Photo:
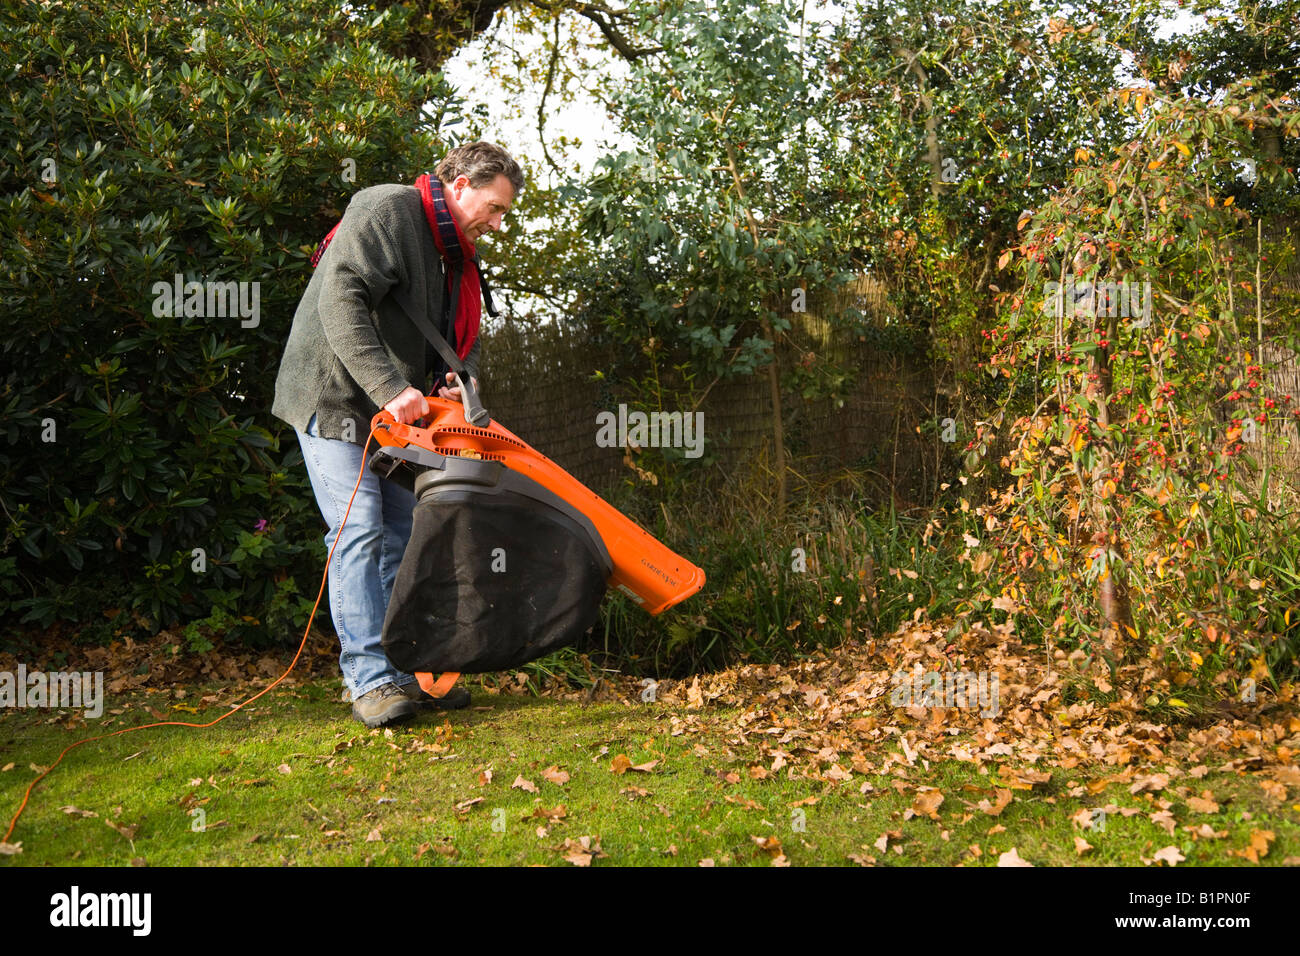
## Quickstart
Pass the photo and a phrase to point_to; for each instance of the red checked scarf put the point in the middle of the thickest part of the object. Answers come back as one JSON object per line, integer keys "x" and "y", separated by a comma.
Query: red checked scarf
{"x": 465, "y": 284}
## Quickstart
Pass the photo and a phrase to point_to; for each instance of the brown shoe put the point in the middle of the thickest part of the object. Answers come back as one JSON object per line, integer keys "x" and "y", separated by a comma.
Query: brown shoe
{"x": 383, "y": 705}
{"x": 454, "y": 699}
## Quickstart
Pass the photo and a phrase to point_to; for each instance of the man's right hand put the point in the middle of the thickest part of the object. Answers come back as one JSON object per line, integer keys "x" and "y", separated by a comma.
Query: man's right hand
{"x": 408, "y": 407}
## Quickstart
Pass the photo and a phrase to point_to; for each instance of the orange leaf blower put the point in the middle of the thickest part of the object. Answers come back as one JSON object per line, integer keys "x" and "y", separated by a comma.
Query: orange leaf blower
{"x": 509, "y": 554}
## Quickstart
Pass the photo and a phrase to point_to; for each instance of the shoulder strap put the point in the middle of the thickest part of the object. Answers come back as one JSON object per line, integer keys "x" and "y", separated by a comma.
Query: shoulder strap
{"x": 475, "y": 413}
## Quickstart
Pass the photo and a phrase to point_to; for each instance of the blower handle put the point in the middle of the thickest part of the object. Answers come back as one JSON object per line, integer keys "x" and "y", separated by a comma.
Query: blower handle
{"x": 475, "y": 413}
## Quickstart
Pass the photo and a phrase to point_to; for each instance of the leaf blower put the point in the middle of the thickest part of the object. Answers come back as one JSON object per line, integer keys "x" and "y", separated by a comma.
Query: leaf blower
{"x": 509, "y": 555}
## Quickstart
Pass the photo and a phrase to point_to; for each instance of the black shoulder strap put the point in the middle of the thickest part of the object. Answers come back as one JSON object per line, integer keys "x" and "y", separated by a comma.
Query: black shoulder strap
{"x": 475, "y": 413}
{"x": 486, "y": 289}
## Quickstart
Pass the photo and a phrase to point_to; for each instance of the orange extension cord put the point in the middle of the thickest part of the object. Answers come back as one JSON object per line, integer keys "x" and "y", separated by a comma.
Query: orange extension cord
{"x": 181, "y": 723}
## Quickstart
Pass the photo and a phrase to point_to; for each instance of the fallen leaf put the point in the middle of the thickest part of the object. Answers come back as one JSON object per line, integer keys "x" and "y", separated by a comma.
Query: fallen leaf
{"x": 11, "y": 849}
{"x": 1169, "y": 855}
{"x": 374, "y": 836}
{"x": 927, "y": 803}
{"x": 1165, "y": 819}
{"x": 555, "y": 775}
{"x": 620, "y": 764}
{"x": 995, "y": 809}
{"x": 284, "y": 768}
{"x": 694, "y": 696}
{"x": 1204, "y": 803}
{"x": 1152, "y": 782}
{"x": 522, "y": 784}
{"x": 555, "y": 813}
{"x": 883, "y": 843}
{"x": 1024, "y": 779}
{"x": 1012, "y": 858}
{"x": 466, "y": 804}
{"x": 85, "y": 813}
{"x": 1258, "y": 846}
{"x": 1081, "y": 846}
{"x": 582, "y": 851}
{"x": 126, "y": 831}
{"x": 645, "y": 767}
{"x": 1273, "y": 790}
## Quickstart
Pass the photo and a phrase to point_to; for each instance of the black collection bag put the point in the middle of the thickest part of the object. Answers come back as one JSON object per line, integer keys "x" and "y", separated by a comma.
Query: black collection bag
{"x": 498, "y": 570}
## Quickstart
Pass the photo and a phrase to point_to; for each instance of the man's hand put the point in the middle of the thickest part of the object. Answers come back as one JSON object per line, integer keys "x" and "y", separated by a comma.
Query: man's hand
{"x": 409, "y": 406}
{"x": 453, "y": 393}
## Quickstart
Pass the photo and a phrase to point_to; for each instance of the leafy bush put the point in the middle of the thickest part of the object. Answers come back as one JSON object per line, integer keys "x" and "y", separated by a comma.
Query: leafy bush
{"x": 144, "y": 480}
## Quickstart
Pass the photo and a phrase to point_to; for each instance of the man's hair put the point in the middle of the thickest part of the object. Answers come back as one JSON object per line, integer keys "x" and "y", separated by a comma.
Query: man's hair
{"x": 482, "y": 162}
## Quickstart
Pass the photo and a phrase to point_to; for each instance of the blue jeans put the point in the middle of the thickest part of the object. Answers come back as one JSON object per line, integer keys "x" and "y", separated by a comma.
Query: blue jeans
{"x": 366, "y": 560}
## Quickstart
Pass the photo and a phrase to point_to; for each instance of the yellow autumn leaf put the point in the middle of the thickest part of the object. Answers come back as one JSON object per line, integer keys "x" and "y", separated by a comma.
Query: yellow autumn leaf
{"x": 1155, "y": 164}
{"x": 1004, "y": 259}
{"x": 1229, "y": 201}
{"x": 1196, "y": 658}
{"x": 1182, "y": 148}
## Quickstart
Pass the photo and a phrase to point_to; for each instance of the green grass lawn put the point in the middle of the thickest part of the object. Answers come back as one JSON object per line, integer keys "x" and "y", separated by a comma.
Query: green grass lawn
{"x": 294, "y": 780}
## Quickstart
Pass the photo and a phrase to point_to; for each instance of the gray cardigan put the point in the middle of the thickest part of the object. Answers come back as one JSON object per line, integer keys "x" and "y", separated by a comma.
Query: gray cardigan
{"x": 353, "y": 346}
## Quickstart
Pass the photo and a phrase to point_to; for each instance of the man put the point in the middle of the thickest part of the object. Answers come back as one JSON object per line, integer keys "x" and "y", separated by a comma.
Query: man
{"x": 399, "y": 251}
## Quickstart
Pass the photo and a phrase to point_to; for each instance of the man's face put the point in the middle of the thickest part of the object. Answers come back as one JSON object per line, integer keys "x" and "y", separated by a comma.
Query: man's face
{"x": 478, "y": 211}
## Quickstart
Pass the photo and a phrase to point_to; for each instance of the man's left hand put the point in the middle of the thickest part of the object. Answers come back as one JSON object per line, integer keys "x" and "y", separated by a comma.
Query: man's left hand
{"x": 452, "y": 393}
